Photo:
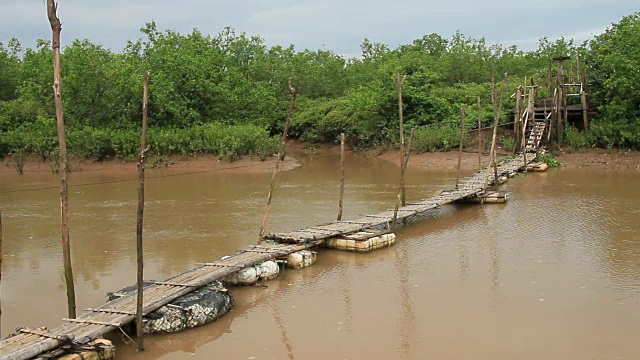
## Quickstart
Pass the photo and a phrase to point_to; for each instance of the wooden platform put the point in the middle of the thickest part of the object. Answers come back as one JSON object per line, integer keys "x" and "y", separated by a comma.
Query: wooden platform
{"x": 113, "y": 315}
{"x": 469, "y": 188}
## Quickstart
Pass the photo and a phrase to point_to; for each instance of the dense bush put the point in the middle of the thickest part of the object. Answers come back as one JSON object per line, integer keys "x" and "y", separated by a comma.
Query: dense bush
{"x": 225, "y": 141}
{"x": 226, "y": 93}
{"x": 437, "y": 138}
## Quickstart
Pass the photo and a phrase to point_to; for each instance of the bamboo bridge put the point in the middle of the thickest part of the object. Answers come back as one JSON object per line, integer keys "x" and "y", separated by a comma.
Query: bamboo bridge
{"x": 30, "y": 343}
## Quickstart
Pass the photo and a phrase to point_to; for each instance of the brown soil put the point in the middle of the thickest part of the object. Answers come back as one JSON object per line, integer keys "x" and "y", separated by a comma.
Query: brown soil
{"x": 601, "y": 159}
{"x": 589, "y": 158}
{"x": 246, "y": 164}
{"x": 438, "y": 160}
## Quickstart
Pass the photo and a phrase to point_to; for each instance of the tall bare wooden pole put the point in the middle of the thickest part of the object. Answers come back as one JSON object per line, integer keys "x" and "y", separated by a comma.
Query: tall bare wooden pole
{"x": 0, "y": 274}
{"x": 495, "y": 128}
{"x": 139, "y": 248}
{"x": 341, "y": 176}
{"x": 56, "y": 28}
{"x": 405, "y": 162}
{"x": 277, "y": 167}
{"x": 517, "y": 118}
{"x": 461, "y": 144}
{"x": 585, "y": 111}
{"x": 399, "y": 84}
{"x": 479, "y": 133}
{"x": 496, "y": 121}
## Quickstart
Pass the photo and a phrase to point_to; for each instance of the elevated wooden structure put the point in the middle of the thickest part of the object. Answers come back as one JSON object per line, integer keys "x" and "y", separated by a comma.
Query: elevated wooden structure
{"x": 30, "y": 343}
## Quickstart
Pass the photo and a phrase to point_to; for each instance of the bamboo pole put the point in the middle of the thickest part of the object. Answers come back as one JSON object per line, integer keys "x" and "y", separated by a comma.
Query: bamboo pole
{"x": 479, "y": 133}
{"x": 399, "y": 84}
{"x": 34, "y": 348}
{"x": 460, "y": 147}
{"x": 139, "y": 248}
{"x": 405, "y": 162}
{"x": 277, "y": 166}
{"x": 496, "y": 120}
{"x": 516, "y": 120}
{"x": 585, "y": 111}
{"x": 495, "y": 162}
{"x": 563, "y": 101}
{"x": 1, "y": 274}
{"x": 341, "y": 176}
{"x": 56, "y": 28}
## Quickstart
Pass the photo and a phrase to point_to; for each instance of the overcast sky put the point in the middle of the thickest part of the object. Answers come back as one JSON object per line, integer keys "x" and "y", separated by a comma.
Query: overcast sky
{"x": 334, "y": 25}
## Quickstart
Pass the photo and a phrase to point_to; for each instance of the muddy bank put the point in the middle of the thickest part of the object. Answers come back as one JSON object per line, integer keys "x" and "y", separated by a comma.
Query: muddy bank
{"x": 448, "y": 161}
{"x": 247, "y": 164}
{"x": 588, "y": 158}
{"x": 601, "y": 159}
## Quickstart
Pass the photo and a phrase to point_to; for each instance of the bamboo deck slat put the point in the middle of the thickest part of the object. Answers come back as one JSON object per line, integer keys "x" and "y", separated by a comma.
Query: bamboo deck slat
{"x": 96, "y": 322}
{"x": 473, "y": 186}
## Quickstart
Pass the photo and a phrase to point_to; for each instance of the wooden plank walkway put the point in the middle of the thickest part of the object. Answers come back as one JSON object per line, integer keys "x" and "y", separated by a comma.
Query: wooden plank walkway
{"x": 473, "y": 186}
{"x": 112, "y": 315}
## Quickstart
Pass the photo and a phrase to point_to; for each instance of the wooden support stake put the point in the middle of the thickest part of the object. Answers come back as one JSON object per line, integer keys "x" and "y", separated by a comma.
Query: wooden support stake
{"x": 460, "y": 147}
{"x": 496, "y": 120}
{"x": 585, "y": 111}
{"x": 517, "y": 120}
{"x": 277, "y": 166}
{"x": 405, "y": 162}
{"x": 479, "y": 133}
{"x": 495, "y": 129}
{"x": 1, "y": 274}
{"x": 341, "y": 176}
{"x": 56, "y": 29}
{"x": 399, "y": 84}
{"x": 139, "y": 225}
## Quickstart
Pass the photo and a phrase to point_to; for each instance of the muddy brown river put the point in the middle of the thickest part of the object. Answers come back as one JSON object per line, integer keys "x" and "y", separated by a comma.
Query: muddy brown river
{"x": 553, "y": 274}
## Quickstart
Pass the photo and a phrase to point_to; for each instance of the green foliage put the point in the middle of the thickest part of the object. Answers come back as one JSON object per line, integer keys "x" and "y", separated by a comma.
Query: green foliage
{"x": 614, "y": 69}
{"x": 226, "y": 93}
{"x": 507, "y": 142}
{"x": 576, "y": 139}
{"x": 549, "y": 159}
{"x": 437, "y": 138}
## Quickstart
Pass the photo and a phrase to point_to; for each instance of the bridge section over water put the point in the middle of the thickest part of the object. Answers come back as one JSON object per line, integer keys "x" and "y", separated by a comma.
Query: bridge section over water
{"x": 30, "y": 343}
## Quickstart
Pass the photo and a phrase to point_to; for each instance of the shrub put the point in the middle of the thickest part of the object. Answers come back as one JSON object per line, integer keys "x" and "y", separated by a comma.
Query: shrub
{"x": 576, "y": 139}
{"x": 437, "y": 138}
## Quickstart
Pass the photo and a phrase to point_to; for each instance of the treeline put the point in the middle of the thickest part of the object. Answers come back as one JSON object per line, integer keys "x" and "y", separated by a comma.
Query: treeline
{"x": 227, "y": 94}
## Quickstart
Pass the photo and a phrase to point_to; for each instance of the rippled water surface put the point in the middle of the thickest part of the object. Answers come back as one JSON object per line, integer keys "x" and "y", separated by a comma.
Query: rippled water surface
{"x": 553, "y": 274}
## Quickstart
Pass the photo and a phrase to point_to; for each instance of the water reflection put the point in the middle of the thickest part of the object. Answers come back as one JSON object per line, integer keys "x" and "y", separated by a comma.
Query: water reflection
{"x": 554, "y": 273}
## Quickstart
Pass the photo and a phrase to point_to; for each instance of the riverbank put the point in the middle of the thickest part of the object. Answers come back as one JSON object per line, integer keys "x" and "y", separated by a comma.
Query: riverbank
{"x": 448, "y": 161}
{"x": 247, "y": 164}
{"x": 587, "y": 158}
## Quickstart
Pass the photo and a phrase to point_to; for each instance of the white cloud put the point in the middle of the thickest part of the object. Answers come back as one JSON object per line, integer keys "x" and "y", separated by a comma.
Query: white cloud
{"x": 339, "y": 25}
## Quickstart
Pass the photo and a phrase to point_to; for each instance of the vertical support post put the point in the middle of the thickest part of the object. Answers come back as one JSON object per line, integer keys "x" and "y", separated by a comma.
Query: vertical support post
{"x": 479, "y": 133}
{"x": 56, "y": 29}
{"x": 498, "y": 113}
{"x": 549, "y": 78}
{"x": 399, "y": 84}
{"x": 1, "y": 274}
{"x": 461, "y": 144}
{"x": 496, "y": 121}
{"x": 562, "y": 98}
{"x": 140, "y": 217}
{"x": 492, "y": 153}
{"x": 405, "y": 162}
{"x": 277, "y": 166}
{"x": 341, "y": 176}
{"x": 516, "y": 120}
{"x": 585, "y": 111}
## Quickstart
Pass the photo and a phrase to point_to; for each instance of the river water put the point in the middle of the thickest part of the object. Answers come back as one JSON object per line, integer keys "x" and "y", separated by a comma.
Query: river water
{"x": 553, "y": 274}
